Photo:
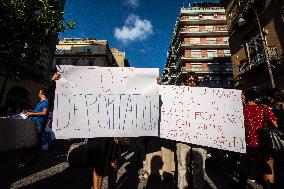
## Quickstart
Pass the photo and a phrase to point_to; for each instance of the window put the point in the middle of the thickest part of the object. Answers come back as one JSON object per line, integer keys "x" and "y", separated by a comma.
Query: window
{"x": 222, "y": 17}
{"x": 211, "y": 40}
{"x": 79, "y": 50}
{"x": 214, "y": 67}
{"x": 193, "y": 28}
{"x": 196, "y": 53}
{"x": 196, "y": 68}
{"x": 91, "y": 62}
{"x": 209, "y": 28}
{"x": 74, "y": 62}
{"x": 58, "y": 61}
{"x": 209, "y": 17}
{"x": 212, "y": 53}
{"x": 227, "y": 53}
{"x": 225, "y": 39}
{"x": 194, "y": 40}
{"x": 192, "y": 17}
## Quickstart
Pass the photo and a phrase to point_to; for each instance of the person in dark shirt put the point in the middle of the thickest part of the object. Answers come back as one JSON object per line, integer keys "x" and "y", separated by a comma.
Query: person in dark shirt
{"x": 276, "y": 98}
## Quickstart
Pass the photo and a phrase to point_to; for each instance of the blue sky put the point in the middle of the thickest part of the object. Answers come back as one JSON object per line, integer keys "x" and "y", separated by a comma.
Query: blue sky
{"x": 141, "y": 28}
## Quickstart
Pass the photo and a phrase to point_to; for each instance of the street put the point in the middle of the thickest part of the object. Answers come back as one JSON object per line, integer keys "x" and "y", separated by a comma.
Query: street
{"x": 53, "y": 171}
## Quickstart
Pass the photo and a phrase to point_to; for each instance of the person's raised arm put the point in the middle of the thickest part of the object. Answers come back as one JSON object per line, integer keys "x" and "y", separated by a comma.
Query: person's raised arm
{"x": 56, "y": 76}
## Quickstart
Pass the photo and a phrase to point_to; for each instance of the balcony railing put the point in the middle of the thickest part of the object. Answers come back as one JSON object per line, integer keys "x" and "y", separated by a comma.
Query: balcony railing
{"x": 212, "y": 56}
{"x": 203, "y": 58}
{"x": 208, "y": 42}
{"x": 211, "y": 20}
{"x": 204, "y": 30}
{"x": 202, "y": 8}
{"x": 185, "y": 70}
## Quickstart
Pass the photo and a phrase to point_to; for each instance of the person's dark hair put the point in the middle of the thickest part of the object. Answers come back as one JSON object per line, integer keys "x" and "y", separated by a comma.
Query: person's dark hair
{"x": 251, "y": 95}
{"x": 187, "y": 75}
{"x": 44, "y": 91}
{"x": 276, "y": 94}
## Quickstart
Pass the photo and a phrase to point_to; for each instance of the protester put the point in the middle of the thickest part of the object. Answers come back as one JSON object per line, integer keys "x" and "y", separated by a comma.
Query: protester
{"x": 191, "y": 157}
{"x": 276, "y": 98}
{"x": 101, "y": 153}
{"x": 256, "y": 162}
{"x": 40, "y": 113}
{"x": 39, "y": 116}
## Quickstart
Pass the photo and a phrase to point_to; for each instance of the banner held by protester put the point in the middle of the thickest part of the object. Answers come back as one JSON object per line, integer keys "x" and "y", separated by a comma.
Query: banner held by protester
{"x": 211, "y": 117}
{"x": 106, "y": 102}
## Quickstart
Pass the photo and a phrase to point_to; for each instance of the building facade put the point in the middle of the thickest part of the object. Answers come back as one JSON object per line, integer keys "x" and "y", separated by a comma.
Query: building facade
{"x": 256, "y": 41}
{"x": 87, "y": 52}
{"x": 119, "y": 57}
{"x": 200, "y": 45}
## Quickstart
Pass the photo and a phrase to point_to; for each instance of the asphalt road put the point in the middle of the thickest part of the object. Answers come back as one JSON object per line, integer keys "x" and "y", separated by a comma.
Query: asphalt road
{"x": 52, "y": 171}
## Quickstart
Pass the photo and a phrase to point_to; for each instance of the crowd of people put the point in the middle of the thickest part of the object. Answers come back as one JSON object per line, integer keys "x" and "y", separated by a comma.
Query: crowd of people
{"x": 257, "y": 164}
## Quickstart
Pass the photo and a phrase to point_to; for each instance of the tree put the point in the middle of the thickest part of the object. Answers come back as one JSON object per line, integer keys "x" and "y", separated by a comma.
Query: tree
{"x": 25, "y": 26}
{"x": 27, "y": 23}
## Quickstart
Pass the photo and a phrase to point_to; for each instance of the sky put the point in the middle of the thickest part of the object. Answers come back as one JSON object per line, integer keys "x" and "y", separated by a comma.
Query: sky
{"x": 141, "y": 28}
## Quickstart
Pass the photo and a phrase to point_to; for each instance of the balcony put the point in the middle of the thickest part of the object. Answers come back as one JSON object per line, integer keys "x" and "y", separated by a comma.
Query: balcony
{"x": 217, "y": 57}
{"x": 208, "y": 45}
{"x": 188, "y": 21}
{"x": 246, "y": 66}
{"x": 187, "y": 32}
{"x": 186, "y": 70}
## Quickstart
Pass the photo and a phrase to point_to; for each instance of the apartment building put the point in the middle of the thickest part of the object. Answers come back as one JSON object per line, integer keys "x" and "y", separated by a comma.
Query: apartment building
{"x": 86, "y": 52}
{"x": 256, "y": 40}
{"x": 200, "y": 45}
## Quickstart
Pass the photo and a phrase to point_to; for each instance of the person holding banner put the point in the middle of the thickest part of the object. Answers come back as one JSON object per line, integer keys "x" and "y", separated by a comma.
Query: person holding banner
{"x": 190, "y": 158}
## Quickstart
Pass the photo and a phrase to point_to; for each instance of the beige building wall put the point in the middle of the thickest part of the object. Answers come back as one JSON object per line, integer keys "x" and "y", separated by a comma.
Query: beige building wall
{"x": 119, "y": 57}
{"x": 84, "y": 52}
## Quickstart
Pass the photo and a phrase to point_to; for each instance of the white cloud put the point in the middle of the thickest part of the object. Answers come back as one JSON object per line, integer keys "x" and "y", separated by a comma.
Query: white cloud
{"x": 132, "y": 3}
{"x": 134, "y": 29}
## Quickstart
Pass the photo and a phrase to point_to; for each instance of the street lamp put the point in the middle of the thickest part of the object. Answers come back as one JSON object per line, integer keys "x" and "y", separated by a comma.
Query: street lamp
{"x": 241, "y": 22}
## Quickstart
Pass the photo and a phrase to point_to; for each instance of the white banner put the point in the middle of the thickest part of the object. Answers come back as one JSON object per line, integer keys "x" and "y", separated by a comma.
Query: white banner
{"x": 210, "y": 117}
{"x": 106, "y": 102}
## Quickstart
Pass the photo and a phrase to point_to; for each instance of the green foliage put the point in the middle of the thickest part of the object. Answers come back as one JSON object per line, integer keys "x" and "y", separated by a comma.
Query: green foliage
{"x": 31, "y": 19}
{"x": 25, "y": 25}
